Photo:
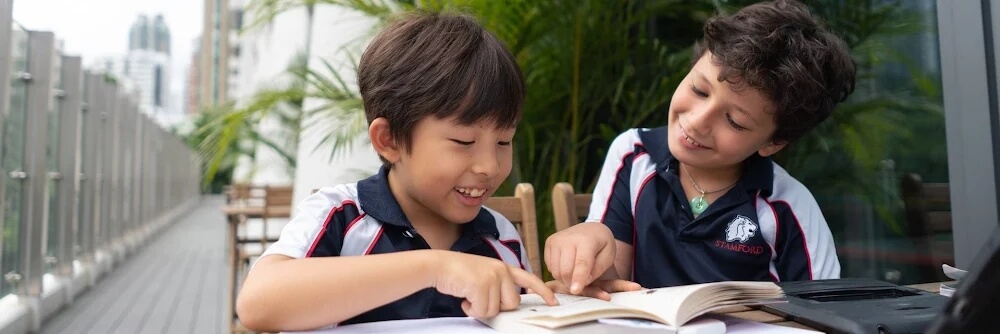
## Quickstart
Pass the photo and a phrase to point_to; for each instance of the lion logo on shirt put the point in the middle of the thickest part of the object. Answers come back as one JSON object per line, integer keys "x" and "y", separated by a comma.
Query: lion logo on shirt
{"x": 740, "y": 229}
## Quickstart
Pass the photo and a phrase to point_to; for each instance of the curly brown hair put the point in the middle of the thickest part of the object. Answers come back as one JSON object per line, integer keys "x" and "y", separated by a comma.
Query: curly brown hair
{"x": 781, "y": 50}
{"x": 439, "y": 65}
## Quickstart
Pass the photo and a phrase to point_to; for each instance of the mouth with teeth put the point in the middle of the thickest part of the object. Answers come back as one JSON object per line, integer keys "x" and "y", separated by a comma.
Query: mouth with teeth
{"x": 471, "y": 192}
{"x": 689, "y": 139}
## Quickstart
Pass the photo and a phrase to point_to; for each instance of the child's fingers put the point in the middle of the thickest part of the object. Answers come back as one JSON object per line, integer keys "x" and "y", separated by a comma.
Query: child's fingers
{"x": 555, "y": 285}
{"x": 480, "y": 302}
{"x": 551, "y": 259}
{"x": 567, "y": 257}
{"x": 594, "y": 291}
{"x": 493, "y": 304}
{"x": 619, "y": 285}
{"x": 583, "y": 265}
{"x": 533, "y": 283}
{"x": 604, "y": 259}
{"x": 467, "y": 308}
{"x": 510, "y": 296}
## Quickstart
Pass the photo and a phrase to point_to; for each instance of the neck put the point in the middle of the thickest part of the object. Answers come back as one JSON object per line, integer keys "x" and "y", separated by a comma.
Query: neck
{"x": 711, "y": 179}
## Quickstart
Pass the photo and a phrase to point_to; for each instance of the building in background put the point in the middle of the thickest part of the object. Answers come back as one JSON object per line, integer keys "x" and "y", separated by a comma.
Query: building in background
{"x": 219, "y": 52}
{"x": 147, "y": 64}
{"x": 192, "y": 84}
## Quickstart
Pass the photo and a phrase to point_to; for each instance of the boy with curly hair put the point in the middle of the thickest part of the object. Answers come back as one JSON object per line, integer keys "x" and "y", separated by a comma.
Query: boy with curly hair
{"x": 699, "y": 200}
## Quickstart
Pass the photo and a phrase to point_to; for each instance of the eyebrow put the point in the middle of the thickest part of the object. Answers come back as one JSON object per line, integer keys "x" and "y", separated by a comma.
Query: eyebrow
{"x": 733, "y": 105}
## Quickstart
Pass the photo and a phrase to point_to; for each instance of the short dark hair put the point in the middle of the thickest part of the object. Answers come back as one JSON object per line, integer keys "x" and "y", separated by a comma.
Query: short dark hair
{"x": 442, "y": 65}
{"x": 781, "y": 50}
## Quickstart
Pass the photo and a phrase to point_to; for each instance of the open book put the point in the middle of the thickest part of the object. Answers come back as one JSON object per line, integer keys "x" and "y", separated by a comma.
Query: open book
{"x": 673, "y": 307}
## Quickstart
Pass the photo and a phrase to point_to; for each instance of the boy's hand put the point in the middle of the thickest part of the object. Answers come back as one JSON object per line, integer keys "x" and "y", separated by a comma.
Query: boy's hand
{"x": 487, "y": 284}
{"x": 580, "y": 254}
{"x": 600, "y": 289}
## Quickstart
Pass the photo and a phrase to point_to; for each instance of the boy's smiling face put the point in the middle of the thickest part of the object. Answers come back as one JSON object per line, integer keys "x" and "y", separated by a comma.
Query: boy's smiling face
{"x": 713, "y": 126}
{"x": 450, "y": 169}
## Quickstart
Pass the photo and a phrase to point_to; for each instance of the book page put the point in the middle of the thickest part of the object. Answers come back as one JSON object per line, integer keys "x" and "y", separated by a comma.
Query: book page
{"x": 571, "y": 310}
{"x": 676, "y": 305}
{"x": 663, "y": 302}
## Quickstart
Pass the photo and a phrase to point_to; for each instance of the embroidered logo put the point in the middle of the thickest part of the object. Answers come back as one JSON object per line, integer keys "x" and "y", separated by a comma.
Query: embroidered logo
{"x": 741, "y": 229}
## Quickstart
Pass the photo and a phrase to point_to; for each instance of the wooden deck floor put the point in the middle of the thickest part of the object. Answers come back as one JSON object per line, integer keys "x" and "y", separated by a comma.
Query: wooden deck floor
{"x": 176, "y": 284}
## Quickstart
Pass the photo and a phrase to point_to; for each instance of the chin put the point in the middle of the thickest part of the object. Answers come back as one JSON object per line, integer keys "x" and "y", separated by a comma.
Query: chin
{"x": 463, "y": 217}
{"x": 676, "y": 149}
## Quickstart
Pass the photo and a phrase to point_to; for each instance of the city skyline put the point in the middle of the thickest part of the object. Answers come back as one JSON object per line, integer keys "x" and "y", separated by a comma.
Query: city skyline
{"x": 97, "y": 40}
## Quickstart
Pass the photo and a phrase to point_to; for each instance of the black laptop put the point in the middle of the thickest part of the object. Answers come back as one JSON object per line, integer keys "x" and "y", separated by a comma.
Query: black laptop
{"x": 855, "y": 305}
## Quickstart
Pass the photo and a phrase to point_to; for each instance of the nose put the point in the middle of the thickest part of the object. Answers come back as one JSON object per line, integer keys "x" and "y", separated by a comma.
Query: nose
{"x": 699, "y": 120}
{"x": 486, "y": 163}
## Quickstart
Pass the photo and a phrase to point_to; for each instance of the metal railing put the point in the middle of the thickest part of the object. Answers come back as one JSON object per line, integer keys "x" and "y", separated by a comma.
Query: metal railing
{"x": 84, "y": 174}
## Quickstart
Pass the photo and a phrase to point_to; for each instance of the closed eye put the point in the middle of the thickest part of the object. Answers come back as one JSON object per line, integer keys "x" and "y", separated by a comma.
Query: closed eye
{"x": 503, "y": 143}
{"x": 735, "y": 125}
{"x": 465, "y": 143}
{"x": 698, "y": 92}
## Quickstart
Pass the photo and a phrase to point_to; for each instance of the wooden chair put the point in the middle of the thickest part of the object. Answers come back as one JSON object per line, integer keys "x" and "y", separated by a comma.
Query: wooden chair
{"x": 244, "y": 194}
{"x": 569, "y": 207}
{"x": 272, "y": 202}
{"x": 277, "y": 204}
{"x": 927, "y": 212}
{"x": 925, "y": 242}
{"x": 927, "y": 206}
{"x": 520, "y": 210}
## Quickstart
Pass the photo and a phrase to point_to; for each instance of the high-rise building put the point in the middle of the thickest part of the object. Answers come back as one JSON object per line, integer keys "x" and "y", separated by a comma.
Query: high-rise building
{"x": 220, "y": 50}
{"x": 146, "y": 35}
{"x": 147, "y": 64}
{"x": 192, "y": 86}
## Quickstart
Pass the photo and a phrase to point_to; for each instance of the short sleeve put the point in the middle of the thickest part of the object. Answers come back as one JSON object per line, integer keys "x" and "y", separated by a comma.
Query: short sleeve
{"x": 318, "y": 225}
{"x": 611, "y": 202}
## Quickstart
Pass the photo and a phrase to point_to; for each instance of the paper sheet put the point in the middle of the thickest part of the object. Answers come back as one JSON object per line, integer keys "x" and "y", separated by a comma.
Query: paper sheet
{"x": 736, "y": 325}
{"x": 952, "y": 272}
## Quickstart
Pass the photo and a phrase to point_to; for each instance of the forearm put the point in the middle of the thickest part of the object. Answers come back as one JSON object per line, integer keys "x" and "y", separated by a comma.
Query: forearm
{"x": 283, "y": 294}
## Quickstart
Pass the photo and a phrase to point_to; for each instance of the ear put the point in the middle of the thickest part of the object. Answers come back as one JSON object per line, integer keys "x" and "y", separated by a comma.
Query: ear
{"x": 382, "y": 141}
{"x": 771, "y": 148}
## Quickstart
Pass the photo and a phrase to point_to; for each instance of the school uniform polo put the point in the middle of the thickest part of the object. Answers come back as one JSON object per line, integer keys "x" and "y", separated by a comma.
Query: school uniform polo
{"x": 364, "y": 218}
{"x": 768, "y": 227}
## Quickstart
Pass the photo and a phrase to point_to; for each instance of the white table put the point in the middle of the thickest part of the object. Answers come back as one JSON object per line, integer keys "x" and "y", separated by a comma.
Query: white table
{"x": 472, "y": 326}
{"x": 418, "y": 326}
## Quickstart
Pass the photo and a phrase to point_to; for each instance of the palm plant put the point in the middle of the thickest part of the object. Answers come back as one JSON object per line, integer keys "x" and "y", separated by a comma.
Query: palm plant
{"x": 592, "y": 67}
{"x": 595, "y": 68}
{"x": 226, "y": 132}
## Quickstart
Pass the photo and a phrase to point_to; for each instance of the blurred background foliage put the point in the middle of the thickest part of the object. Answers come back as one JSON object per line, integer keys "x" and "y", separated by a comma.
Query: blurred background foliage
{"x": 595, "y": 68}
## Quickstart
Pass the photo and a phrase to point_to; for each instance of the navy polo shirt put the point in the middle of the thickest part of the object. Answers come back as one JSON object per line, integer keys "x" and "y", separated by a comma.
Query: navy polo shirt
{"x": 768, "y": 227}
{"x": 364, "y": 218}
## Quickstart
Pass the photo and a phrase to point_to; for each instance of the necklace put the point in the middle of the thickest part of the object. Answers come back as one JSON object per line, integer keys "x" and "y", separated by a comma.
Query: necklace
{"x": 699, "y": 204}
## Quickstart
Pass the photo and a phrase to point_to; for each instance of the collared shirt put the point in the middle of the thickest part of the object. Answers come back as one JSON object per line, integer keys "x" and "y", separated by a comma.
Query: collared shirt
{"x": 365, "y": 218}
{"x": 768, "y": 227}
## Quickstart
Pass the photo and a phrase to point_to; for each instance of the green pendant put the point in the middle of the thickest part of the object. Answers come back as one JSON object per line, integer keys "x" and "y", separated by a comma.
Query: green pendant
{"x": 698, "y": 205}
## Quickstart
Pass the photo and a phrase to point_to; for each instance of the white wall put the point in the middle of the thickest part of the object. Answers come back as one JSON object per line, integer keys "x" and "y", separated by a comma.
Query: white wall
{"x": 334, "y": 30}
{"x": 266, "y": 53}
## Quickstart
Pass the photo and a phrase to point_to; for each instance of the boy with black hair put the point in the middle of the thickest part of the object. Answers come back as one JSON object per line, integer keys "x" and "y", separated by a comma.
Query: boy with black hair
{"x": 443, "y": 97}
{"x": 700, "y": 200}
